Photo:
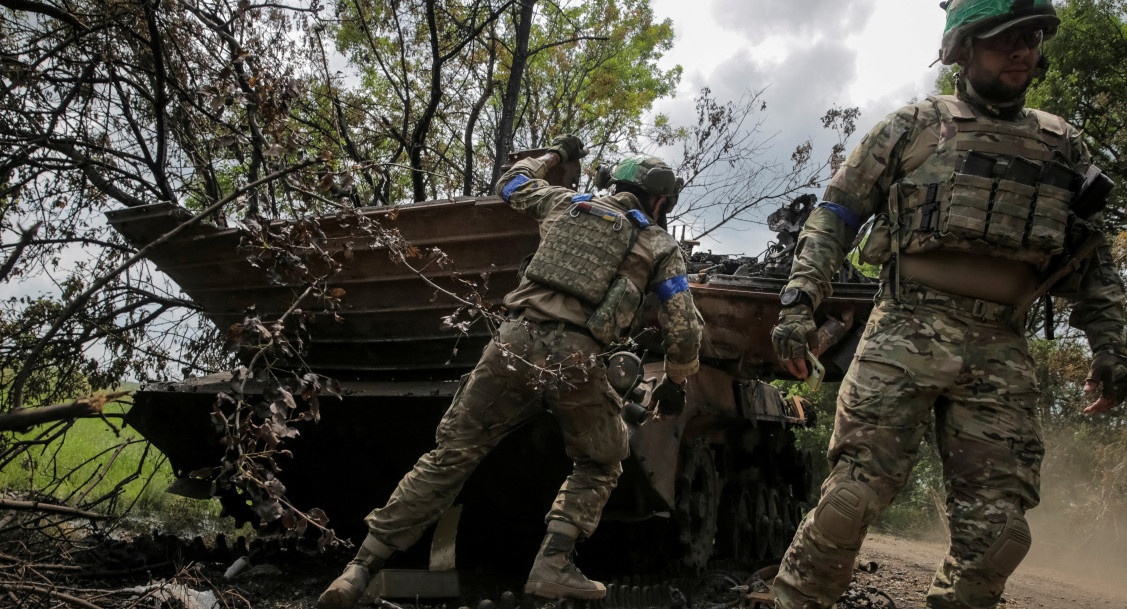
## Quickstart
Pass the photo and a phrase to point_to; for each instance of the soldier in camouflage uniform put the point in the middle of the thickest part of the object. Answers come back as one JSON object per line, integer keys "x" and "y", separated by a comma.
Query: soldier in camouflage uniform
{"x": 580, "y": 292}
{"x": 972, "y": 198}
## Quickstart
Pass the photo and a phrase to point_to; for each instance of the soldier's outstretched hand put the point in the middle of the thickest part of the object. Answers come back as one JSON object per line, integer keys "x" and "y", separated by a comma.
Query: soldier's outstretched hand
{"x": 790, "y": 335}
{"x": 1108, "y": 376}
{"x": 569, "y": 147}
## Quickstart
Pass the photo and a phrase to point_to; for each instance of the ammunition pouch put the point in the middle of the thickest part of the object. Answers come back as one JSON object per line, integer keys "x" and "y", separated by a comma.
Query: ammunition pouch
{"x": 615, "y": 314}
{"x": 875, "y": 241}
{"x": 996, "y": 201}
{"x": 995, "y": 187}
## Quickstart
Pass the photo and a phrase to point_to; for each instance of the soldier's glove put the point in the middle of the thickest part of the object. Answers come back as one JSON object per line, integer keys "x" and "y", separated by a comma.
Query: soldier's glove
{"x": 568, "y": 147}
{"x": 789, "y": 336}
{"x": 1109, "y": 369}
{"x": 668, "y": 398}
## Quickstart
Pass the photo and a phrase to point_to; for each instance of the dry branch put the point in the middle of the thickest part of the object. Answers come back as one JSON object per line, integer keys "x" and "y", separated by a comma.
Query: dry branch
{"x": 73, "y": 600}
{"x": 26, "y": 418}
{"x": 38, "y": 506}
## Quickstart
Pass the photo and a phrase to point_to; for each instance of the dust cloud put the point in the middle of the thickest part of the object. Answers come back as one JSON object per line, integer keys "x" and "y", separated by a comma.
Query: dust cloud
{"x": 1080, "y": 528}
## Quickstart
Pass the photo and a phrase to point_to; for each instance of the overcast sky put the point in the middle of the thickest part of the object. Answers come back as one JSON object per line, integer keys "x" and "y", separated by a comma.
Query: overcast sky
{"x": 809, "y": 55}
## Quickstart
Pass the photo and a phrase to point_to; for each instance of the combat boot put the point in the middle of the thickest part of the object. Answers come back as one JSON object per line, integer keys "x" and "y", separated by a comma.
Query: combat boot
{"x": 347, "y": 589}
{"x": 554, "y": 575}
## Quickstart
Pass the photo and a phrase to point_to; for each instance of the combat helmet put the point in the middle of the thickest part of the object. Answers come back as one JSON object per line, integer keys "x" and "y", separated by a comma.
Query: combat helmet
{"x": 985, "y": 18}
{"x": 651, "y": 174}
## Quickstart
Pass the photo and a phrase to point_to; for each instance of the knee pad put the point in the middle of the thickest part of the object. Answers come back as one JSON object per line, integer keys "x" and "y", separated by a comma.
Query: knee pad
{"x": 844, "y": 512}
{"x": 1012, "y": 544}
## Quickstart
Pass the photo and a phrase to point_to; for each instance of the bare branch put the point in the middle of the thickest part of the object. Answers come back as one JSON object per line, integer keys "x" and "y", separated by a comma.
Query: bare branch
{"x": 26, "y": 418}
{"x": 44, "y": 9}
{"x": 21, "y": 377}
{"x": 38, "y": 506}
{"x": 26, "y": 238}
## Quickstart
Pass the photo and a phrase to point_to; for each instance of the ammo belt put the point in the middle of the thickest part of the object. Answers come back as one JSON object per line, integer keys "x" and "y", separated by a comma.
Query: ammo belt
{"x": 549, "y": 325}
{"x": 914, "y": 294}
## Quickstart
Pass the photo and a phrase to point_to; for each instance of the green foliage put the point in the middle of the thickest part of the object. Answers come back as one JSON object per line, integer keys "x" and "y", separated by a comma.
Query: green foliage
{"x": 1087, "y": 84}
{"x": 945, "y": 82}
{"x": 86, "y": 459}
{"x": 92, "y": 461}
{"x": 591, "y": 71}
{"x": 815, "y": 439}
{"x": 599, "y": 85}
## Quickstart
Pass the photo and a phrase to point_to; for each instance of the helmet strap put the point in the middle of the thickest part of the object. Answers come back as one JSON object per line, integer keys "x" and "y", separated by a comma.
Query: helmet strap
{"x": 660, "y": 210}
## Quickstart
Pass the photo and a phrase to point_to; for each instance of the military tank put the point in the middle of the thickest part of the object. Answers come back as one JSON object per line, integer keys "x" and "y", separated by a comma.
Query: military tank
{"x": 722, "y": 481}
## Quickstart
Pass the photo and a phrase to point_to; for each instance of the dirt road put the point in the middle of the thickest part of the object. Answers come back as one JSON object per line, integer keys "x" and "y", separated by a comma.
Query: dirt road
{"x": 904, "y": 569}
{"x": 1056, "y": 575}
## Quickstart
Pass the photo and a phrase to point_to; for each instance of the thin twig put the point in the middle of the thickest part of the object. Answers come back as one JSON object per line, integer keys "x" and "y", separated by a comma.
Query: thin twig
{"x": 38, "y": 506}
{"x": 74, "y": 600}
{"x": 20, "y": 380}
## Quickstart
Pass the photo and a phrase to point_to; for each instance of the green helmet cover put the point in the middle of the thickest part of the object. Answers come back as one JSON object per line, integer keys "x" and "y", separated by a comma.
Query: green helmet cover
{"x": 649, "y": 173}
{"x": 969, "y": 17}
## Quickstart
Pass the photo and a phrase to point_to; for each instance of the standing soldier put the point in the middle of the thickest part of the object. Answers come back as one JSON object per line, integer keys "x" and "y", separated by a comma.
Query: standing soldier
{"x": 579, "y": 293}
{"x": 976, "y": 202}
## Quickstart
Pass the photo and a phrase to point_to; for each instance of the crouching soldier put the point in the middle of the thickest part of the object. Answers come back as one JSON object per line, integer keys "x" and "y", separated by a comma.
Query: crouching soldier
{"x": 598, "y": 257}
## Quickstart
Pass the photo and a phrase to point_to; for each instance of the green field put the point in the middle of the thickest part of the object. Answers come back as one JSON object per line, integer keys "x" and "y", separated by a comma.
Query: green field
{"x": 104, "y": 464}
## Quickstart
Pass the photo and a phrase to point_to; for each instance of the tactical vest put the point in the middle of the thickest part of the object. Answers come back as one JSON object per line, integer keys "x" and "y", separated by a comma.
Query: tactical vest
{"x": 1000, "y": 188}
{"x": 582, "y": 250}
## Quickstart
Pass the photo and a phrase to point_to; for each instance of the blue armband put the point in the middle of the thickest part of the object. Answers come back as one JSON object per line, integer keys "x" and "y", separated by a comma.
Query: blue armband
{"x": 513, "y": 185}
{"x": 671, "y": 287}
{"x": 639, "y": 218}
{"x": 849, "y": 218}
{"x": 583, "y": 197}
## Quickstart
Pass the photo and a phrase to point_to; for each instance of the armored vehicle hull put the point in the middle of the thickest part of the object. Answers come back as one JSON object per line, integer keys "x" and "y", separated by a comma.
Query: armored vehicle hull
{"x": 724, "y": 480}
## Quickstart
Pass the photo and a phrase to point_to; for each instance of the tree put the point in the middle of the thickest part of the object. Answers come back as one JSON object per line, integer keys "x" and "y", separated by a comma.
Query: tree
{"x": 593, "y": 73}
{"x": 134, "y": 104}
{"x": 726, "y": 162}
{"x": 513, "y": 75}
{"x": 1087, "y": 85}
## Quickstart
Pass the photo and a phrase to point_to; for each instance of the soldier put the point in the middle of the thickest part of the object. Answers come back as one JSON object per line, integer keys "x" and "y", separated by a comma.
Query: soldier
{"x": 975, "y": 200}
{"x": 578, "y": 293}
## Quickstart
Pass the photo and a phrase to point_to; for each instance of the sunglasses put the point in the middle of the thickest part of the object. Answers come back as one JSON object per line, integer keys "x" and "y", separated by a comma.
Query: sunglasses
{"x": 1008, "y": 40}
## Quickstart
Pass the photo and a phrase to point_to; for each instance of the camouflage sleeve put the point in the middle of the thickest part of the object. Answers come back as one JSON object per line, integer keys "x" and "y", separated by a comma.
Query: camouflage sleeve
{"x": 1099, "y": 309}
{"x": 856, "y": 191}
{"x": 525, "y": 190}
{"x": 1098, "y": 294}
{"x": 1099, "y": 303}
{"x": 681, "y": 322}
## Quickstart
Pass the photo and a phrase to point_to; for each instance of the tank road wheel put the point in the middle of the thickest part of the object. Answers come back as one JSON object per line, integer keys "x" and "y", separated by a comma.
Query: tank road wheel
{"x": 778, "y": 539}
{"x": 736, "y": 534}
{"x": 698, "y": 499}
{"x": 762, "y": 524}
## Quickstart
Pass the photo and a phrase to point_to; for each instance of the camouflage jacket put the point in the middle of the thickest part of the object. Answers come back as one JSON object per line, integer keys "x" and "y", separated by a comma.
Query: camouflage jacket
{"x": 654, "y": 264}
{"x": 881, "y": 164}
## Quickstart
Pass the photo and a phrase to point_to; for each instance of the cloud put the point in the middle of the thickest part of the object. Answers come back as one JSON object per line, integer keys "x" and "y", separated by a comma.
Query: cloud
{"x": 797, "y": 90}
{"x": 792, "y": 18}
{"x": 807, "y": 56}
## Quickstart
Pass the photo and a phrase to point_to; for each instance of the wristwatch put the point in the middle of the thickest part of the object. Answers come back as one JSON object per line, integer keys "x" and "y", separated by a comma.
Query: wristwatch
{"x": 792, "y": 296}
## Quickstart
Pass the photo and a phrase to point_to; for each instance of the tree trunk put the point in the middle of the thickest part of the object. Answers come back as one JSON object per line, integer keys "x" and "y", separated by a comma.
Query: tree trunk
{"x": 471, "y": 122}
{"x": 512, "y": 88}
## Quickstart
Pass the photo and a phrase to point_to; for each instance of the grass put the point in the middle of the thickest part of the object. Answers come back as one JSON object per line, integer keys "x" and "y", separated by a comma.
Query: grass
{"x": 110, "y": 465}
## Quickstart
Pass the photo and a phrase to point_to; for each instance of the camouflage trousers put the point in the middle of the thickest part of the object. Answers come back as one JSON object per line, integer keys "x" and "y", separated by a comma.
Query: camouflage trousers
{"x": 526, "y": 368}
{"x": 938, "y": 353}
